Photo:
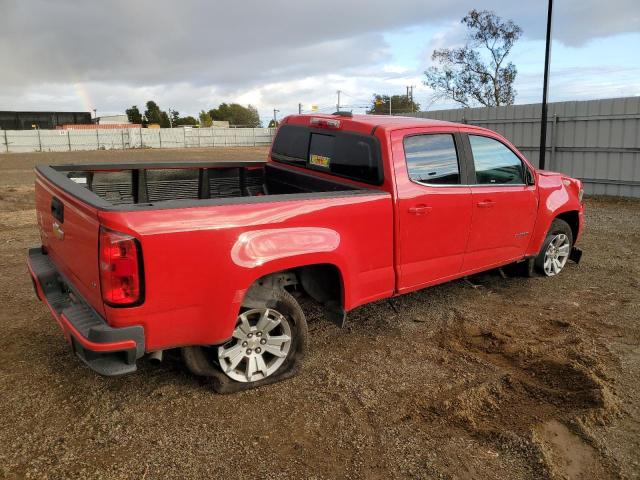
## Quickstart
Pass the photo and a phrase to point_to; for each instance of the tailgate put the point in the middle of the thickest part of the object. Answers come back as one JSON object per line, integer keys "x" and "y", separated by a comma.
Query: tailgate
{"x": 69, "y": 229}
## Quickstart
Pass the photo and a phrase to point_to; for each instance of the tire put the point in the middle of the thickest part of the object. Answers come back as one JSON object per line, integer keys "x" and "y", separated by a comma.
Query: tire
{"x": 556, "y": 249}
{"x": 253, "y": 348}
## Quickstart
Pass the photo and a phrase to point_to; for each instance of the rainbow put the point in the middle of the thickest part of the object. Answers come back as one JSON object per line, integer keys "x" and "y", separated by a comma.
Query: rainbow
{"x": 85, "y": 98}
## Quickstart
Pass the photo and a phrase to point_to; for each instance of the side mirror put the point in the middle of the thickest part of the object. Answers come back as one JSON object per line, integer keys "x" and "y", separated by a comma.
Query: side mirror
{"x": 530, "y": 177}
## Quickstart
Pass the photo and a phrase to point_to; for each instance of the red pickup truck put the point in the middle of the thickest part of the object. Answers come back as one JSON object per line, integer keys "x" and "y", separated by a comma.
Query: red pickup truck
{"x": 348, "y": 209}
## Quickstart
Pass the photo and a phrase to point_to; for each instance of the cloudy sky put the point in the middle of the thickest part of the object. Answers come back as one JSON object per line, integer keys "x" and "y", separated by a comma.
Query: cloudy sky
{"x": 194, "y": 54}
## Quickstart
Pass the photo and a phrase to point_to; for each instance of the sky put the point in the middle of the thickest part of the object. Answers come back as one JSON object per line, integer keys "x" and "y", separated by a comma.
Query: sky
{"x": 74, "y": 55}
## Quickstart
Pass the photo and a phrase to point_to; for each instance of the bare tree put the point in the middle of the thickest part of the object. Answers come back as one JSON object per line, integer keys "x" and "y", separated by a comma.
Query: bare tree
{"x": 477, "y": 73}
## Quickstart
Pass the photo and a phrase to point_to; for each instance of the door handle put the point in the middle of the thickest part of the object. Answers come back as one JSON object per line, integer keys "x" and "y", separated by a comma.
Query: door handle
{"x": 486, "y": 204}
{"x": 419, "y": 209}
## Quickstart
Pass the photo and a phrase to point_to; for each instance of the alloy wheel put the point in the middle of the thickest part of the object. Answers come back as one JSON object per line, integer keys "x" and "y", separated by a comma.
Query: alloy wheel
{"x": 259, "y": 346}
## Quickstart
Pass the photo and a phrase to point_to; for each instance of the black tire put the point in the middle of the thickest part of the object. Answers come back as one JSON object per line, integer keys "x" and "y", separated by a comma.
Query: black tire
{"x": 203, "y": 361}
{"x": 558, "y": 227}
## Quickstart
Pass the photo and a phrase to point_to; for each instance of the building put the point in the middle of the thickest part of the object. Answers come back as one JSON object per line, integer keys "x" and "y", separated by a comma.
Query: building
{"x": 42, "y": 120}
{"x": 112, "y": 120}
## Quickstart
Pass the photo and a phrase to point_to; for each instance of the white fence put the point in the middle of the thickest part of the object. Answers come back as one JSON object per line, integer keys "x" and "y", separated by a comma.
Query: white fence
{"x": 16, "y": 141}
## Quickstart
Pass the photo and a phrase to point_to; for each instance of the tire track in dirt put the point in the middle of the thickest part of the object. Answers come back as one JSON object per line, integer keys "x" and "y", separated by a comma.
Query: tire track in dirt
{"x": 540, "y": 397}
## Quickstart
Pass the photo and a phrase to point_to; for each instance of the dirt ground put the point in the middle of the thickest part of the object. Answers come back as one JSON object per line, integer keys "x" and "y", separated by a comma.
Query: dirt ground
{"x": 488, "y": 377}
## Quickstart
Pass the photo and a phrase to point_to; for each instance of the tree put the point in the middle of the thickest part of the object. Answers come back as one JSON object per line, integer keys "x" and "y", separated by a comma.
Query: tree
{"x": 153, "y": 114}
{"x": 470, "y": 76}
{"x": 273, "y": 123}
{"x": 237, "y": 115}
{"x": 205, "y": 119}
{"x": 399, "y": 104}
{"x": 182, "y": 121}
{"x": 134, "y": 115}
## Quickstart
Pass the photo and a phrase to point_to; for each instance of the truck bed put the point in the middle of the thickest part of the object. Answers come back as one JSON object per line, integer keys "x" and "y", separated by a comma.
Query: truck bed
{"x": 164, "y": 185}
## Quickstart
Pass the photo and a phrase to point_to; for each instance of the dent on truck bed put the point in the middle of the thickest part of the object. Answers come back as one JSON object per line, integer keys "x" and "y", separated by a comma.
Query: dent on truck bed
{"x": 258, "y": 247}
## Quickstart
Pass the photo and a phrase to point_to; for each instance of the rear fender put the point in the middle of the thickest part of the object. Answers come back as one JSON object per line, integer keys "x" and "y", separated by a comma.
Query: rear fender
{"x": 273, "y": 254}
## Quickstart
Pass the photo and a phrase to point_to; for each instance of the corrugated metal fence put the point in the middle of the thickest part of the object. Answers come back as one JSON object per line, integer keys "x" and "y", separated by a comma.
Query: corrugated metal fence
{"x": 597, "y": 141}
{"x": 106, "y": 139}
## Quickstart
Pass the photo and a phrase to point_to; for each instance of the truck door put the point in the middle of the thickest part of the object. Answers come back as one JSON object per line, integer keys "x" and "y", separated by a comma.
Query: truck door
{"x": 433, "y": 206}
{"x": 504, "y": 206}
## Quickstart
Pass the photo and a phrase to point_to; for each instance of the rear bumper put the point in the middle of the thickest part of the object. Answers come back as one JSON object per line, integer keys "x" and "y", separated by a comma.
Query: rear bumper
{"x": 106, "y": 350}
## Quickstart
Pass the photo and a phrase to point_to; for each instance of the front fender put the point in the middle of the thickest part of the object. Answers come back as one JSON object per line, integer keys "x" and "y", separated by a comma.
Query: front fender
{"x": 558, "y": 194}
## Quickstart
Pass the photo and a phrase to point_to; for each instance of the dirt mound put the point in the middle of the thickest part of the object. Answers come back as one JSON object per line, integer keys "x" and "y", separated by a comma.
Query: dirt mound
{"x": 541, "y": 398}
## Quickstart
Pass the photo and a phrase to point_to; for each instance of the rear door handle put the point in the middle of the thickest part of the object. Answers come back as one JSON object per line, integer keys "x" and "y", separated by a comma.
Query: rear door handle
{"x": 486, "y": 204}
{"x": 419, "y": 209}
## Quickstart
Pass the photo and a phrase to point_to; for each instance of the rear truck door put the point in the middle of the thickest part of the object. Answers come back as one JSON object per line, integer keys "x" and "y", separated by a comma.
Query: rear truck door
{"x": 504, "y": 206}
{"x": 433, "y": 205}
{"x": 69, "y": 232}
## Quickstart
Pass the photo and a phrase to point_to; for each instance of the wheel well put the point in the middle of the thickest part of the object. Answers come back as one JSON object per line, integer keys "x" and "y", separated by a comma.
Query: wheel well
{"x": 322, "y": 282}
{"x": 573, "y": 220}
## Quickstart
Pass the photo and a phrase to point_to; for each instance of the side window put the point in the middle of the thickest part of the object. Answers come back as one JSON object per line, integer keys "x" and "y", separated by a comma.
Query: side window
{"x": 432, "y": 159}
{"x": 495, "y": 163}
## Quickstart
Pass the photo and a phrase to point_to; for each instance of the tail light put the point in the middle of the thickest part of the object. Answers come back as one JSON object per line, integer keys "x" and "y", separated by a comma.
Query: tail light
{"x": 121, "y": 277}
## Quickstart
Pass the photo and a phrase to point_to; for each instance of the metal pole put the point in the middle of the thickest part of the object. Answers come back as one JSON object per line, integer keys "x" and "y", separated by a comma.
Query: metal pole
{"x": 338, "y": 104}
{"x": 39, "y": 139}
{"x": 160, "y": 136}
{"x": 141, "y": 137}
{"x": 6, "y": 141}
{"x": 389, "y": 104}
{"x": 97, "y": 139}
{"x": 69, "y": 139}
{"x": 545, "y": 88}
{"x": 299, "y": 108}
{"x": 122, "y": 134}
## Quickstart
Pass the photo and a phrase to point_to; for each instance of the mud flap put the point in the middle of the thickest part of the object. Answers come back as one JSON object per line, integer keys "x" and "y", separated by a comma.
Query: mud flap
{"x": 575, "y": 255}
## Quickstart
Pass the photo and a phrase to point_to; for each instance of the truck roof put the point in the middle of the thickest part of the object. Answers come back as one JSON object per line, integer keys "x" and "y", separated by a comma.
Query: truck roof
{"x": 351, "y": 122}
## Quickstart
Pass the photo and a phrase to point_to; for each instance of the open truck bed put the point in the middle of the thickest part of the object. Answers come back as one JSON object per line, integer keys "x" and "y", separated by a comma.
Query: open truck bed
{"x": 166, "y": 185}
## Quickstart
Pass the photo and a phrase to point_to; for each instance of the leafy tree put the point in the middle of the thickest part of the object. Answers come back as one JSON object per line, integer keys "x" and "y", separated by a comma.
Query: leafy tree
{"x": 134, "y": 115}
{"x": 182, "y": 121}
{"x": 205, "y": 119}
{"x": 237, "y": 115}
{"x": 153, "y": 114}
{"x": 273, "y": 124}
{"x": 174, "y": 115}
{"x": 399, "y": 104}
{"x": 477, "y": 73}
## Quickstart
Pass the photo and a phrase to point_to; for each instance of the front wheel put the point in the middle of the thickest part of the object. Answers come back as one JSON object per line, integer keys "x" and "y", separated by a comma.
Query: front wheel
{"x": 556, "y": 249}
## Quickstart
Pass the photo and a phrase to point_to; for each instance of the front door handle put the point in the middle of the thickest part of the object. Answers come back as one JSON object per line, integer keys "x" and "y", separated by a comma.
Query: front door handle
{"x": 419, "y": 209}
{"x": 486, "y": 204}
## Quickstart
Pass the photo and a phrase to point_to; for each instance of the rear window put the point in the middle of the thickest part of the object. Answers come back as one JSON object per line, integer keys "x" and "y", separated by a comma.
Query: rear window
{"x": 340, "y": 153}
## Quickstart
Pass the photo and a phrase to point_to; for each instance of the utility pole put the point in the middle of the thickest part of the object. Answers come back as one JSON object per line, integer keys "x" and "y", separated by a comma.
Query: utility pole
{"x": 545, "y": 89}
{"x": 411, "y": 97}
{"x": 338, "y": 104}
{"x": 299, "y": 108}
{"x": 275, "y": 117}
{"x": 170, "y": 121}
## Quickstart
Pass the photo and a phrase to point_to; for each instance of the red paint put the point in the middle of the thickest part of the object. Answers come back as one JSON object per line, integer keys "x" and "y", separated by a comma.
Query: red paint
{"x": 200, "y": 261}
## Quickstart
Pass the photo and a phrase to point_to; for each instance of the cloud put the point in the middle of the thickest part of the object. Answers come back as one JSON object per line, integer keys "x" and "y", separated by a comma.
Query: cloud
{"x": 197, "y": 52}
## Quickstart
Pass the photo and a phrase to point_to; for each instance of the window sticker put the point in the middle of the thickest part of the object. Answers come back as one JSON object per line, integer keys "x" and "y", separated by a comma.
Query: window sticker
{"x": 319, "y": 160}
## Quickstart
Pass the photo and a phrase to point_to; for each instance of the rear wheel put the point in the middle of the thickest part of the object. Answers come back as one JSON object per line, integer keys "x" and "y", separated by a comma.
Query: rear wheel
{"x": 555, "y": 250}
{"x": 267, "y": 345}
